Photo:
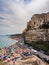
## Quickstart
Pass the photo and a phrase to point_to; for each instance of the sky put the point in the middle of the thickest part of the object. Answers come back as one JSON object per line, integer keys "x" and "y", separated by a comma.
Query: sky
{"x": 14, "y": 14}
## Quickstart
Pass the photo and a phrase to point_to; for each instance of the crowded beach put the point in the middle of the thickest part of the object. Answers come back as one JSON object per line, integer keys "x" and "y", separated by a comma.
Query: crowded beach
{"x": 18, "y": 55}
{"x": 12, "y": 53}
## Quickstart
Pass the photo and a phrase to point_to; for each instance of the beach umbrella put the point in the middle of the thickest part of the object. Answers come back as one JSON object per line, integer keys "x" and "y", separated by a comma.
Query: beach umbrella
{"x": 5, "y": 61}
{"x": 8, "y": 59}
{"x": 11, "y": 57}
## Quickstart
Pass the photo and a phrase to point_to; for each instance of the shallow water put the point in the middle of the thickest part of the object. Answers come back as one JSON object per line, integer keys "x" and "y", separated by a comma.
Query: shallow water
{"x": 6, "y": 41}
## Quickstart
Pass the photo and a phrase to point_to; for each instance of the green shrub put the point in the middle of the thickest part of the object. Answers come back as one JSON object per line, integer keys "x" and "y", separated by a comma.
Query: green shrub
{"x": 40, "y": 45}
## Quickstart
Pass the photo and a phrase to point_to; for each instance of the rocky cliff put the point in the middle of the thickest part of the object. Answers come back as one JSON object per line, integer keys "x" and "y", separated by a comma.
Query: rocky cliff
{"x": 37, "y": 28}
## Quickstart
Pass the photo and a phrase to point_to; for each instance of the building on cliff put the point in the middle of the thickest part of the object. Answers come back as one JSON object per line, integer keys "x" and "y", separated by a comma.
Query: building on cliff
{"x": 35, "y": 31}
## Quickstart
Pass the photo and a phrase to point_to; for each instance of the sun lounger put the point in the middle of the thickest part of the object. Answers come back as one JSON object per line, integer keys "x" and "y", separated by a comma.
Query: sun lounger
{"x": 16, "y": 58}
{"x": 4, "y": 57}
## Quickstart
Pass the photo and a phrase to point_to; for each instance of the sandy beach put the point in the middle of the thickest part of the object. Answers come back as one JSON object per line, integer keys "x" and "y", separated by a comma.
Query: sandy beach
{"x": 18, "y": 55}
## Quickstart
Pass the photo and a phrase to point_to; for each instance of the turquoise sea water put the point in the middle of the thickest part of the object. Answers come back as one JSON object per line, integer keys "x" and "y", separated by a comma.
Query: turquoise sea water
{"x": 6, "y": 41}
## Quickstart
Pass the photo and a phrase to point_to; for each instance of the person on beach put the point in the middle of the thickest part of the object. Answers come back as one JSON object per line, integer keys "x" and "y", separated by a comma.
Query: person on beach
{"x": 8, "y": 63}
{"x": 13, "y": 62}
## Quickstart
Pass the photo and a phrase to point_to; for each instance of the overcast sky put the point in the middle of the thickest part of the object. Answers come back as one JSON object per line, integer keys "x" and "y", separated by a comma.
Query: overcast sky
{"x": 14, "y": 14}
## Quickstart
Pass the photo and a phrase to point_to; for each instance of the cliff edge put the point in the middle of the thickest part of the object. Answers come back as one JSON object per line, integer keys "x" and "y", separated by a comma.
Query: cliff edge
{"x": 37, "y": 28}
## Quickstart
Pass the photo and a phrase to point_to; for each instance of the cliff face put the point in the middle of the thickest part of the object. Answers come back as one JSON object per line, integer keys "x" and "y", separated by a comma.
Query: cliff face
{"x": 36, "y": 28}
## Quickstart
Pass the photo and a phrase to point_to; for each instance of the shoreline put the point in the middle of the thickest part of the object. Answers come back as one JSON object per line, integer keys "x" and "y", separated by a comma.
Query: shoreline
{"x": 41, "y": 55}
{"x": 9, "y": 37}
{"x": 18, "y": 48}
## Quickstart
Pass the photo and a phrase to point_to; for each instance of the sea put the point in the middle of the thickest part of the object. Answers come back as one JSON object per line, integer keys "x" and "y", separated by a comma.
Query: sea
{"x": 6, "y": 41}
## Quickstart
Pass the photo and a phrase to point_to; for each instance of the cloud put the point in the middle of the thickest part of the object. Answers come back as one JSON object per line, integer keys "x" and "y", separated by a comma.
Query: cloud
{"x": 14, "y": 14}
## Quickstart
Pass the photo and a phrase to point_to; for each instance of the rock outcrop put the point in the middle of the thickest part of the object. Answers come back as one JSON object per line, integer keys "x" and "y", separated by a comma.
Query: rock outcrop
{"x": 37, "y": 28}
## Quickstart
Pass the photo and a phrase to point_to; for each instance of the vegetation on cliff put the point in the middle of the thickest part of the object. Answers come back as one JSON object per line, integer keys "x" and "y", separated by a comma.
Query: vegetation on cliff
{"x": 40, "y": 45}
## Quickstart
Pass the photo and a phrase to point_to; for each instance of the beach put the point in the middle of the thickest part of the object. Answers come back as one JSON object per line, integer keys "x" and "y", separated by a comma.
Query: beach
{"x": 19, "y": 54}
